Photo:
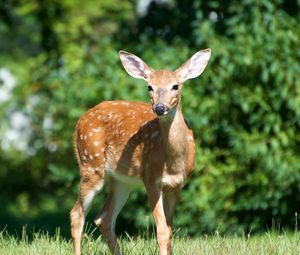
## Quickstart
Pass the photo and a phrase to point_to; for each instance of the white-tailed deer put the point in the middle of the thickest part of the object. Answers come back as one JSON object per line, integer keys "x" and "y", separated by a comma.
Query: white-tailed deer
{"x": 131, "y": 143}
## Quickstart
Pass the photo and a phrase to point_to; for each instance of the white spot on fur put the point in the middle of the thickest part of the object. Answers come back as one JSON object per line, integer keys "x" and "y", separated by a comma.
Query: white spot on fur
{"x": 96, "y": 143}
{"x": 155, "y": 134}
{"x": 189, "y": 138}
{"x": 172, "y": 180}
{"x": 96, "y": 130}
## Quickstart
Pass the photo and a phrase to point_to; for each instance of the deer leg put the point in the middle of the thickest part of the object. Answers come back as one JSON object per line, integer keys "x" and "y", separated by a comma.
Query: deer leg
{"x": 77, "y": 222}
{"x": 162, "y": 229}
{"x": 106, "y": 219}
{"x": 170, "y": 199}
{"x": 78, "y": 213}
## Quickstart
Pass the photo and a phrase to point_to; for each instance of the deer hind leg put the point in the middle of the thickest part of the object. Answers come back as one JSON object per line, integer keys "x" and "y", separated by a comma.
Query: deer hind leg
{"x": 90, "y": 186}
{"x": 106, "y": 219}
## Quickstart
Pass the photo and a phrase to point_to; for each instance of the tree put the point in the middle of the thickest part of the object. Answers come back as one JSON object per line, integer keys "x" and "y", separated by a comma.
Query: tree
{"x": 244, "y": 110}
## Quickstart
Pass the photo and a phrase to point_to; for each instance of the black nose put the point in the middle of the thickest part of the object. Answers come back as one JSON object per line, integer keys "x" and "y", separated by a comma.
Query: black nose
{"x": 160, "y": 109}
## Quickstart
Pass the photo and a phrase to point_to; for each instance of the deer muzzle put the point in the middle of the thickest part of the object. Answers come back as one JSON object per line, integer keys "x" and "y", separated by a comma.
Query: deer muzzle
{"x": 160, "y": 109}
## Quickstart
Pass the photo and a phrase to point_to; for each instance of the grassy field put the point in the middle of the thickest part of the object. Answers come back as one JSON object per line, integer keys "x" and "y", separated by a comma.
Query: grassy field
{"x": 269, "y": 243}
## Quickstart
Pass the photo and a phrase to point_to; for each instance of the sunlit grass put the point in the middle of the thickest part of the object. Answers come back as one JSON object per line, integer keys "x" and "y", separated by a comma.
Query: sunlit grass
{"x": 270, "y": 243}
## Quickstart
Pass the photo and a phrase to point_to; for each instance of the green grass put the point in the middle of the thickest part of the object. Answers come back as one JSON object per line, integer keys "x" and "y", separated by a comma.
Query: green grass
{"x": 269, "y": 243}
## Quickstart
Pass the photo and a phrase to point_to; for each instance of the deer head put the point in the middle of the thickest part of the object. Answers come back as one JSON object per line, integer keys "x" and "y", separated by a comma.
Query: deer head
{"x": 164, "y": 86}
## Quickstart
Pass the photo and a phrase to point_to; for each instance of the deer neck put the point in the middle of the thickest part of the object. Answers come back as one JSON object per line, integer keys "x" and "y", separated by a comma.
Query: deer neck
{"x": 174, "y": 135}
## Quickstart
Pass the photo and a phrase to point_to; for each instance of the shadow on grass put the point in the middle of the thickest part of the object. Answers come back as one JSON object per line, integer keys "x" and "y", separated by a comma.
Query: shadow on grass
{"x": 51, "y": 222}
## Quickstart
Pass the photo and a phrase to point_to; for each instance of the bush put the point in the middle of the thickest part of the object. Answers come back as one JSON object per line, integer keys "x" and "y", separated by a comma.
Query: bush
{"x": 244, "y": 110}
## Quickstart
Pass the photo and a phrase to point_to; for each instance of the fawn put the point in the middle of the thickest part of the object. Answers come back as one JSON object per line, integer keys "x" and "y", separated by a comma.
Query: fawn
{"x": 132, "y": 143}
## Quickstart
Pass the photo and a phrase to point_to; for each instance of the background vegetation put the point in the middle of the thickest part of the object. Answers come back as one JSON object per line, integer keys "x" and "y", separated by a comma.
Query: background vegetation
{"x": 58, "y": 58}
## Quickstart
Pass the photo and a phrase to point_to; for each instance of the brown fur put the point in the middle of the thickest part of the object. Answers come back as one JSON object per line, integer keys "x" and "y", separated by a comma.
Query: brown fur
{"x": 128, "y": 144}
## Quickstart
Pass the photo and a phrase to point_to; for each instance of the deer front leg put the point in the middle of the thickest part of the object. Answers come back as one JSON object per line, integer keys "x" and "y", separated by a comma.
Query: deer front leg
{"x": 170, "y": 200}
{"x": 162, "y": 230}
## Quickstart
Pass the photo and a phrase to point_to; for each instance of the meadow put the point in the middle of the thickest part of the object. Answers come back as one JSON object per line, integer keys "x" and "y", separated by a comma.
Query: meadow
{"x": 272, "y": 243}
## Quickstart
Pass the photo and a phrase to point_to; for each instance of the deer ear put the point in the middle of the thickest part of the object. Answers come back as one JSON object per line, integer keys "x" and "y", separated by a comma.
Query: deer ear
{"x": 134, "y": 66}
{"x": 194, "y": 66}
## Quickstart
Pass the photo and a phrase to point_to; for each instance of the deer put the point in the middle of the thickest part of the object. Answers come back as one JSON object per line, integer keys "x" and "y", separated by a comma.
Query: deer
{"x": 128, "y": 144}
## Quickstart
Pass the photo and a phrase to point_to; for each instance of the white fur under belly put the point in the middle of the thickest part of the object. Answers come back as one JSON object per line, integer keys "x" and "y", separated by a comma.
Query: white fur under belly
{"x": 133, "y": 181}
{"x": 130, "y": 180}
{"x": 174, "y": 180}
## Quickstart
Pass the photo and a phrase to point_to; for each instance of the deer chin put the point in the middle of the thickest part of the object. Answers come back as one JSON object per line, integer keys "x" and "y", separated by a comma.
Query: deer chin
{"x": 168, "y": 115}
{"x": 165, "y": 114}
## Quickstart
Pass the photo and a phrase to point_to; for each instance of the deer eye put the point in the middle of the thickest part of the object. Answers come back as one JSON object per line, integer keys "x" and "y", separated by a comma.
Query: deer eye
{"x": 175, "y": 87}
{"x": 150, "y": 88}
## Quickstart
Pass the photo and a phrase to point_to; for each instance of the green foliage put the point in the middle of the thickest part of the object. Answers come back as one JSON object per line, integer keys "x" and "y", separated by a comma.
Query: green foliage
{"x": 244, "y": 109}
{"x": 250, "y": 138}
